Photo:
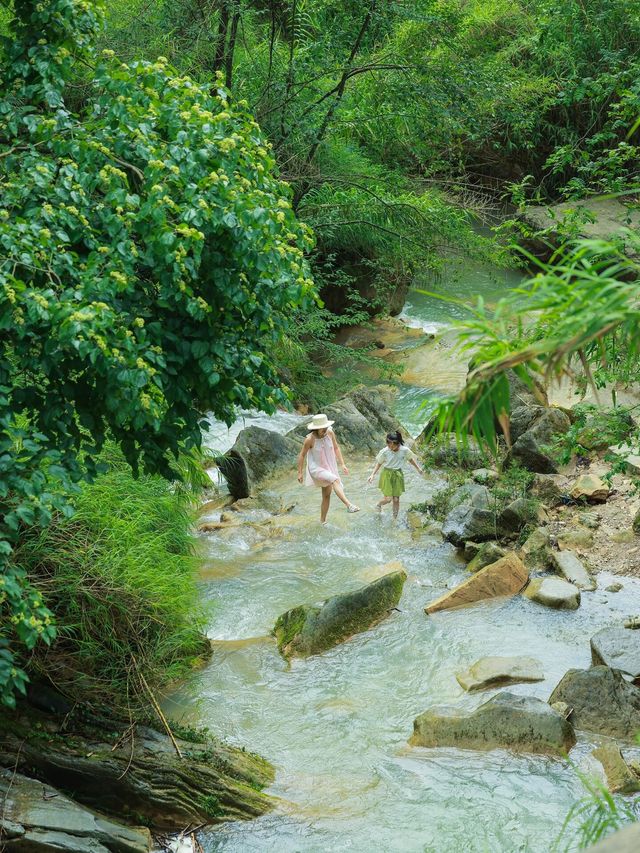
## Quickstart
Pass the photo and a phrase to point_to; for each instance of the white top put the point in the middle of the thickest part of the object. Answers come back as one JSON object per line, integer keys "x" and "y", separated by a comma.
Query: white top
{"x": 395, "y": 459}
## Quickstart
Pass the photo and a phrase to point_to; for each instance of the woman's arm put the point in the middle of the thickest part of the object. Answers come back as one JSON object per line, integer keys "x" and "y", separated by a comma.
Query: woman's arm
{"x": 336, "y": 447}
{"x": 302, "y": 456}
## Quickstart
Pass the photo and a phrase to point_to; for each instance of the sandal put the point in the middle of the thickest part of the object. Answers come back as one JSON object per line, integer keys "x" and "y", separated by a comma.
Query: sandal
{"x": 353, "y": 508}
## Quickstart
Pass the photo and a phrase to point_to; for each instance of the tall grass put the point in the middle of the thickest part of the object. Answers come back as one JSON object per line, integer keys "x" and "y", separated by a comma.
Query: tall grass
{"x": 120, "y": 577}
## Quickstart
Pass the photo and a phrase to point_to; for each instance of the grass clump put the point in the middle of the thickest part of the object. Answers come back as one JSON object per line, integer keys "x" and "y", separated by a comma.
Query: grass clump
{"x": 593, "y": 817}
{"x": 120, "y": 578}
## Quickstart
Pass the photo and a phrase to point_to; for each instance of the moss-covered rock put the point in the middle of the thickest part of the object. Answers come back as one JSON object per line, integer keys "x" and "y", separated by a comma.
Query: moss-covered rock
{"x": 308, "y": 630}
{"x": 134, "y": 772}
{"x": 488, "y": 553}
{"x": 522, "y": 723}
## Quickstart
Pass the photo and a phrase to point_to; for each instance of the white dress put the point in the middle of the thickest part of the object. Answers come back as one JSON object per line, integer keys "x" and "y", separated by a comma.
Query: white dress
{"x": 322, "y": 466}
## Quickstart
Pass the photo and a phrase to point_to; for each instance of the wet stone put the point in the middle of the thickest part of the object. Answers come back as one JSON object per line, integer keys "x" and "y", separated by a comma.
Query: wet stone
{"x": 521, "y": 723}
{"x": 309, "y": 630}
{"x": 619, "y": 648}
{"x": 507, "y": 576}
{"x": 553, "y": 592}
{"x": 601, "y": 701}
{"x": 493, "y": 671}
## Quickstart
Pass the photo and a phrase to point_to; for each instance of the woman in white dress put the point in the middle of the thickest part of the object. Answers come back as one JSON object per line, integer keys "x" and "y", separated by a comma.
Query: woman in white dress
{"x": 322, "y": 453}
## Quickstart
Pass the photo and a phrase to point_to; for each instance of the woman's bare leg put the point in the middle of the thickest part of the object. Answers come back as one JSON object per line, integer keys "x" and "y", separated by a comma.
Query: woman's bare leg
{"x": 326, "y": 500}
{"x": 382, "y": 503}
{"x": 396, "y": 507}
{"x": 337, "y": 488}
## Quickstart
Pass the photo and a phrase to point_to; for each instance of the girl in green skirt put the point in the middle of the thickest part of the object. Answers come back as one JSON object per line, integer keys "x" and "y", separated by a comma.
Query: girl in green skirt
{"x": 391, "y": 459}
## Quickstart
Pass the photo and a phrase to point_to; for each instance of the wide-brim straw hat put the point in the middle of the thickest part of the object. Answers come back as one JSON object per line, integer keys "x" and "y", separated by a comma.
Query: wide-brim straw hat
{"x": 320, "y": 422}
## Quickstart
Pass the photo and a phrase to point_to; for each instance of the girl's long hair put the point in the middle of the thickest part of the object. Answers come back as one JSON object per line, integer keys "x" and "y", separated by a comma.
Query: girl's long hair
{"x": 395, "y": 436}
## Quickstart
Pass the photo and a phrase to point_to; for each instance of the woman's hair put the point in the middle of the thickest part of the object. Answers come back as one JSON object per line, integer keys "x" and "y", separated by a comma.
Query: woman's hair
{"x": 395, "y": 436}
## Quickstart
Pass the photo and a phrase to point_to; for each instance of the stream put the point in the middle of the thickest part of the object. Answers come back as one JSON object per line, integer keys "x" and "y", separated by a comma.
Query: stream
{"x": 335, "y": 726}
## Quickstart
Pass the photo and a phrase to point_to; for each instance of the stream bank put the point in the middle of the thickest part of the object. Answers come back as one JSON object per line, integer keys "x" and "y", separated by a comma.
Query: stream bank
{"x": 337, "y": 725}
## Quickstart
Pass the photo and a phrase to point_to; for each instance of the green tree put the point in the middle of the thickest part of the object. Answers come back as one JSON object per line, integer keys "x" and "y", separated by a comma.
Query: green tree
{"x": 148, "y": 260}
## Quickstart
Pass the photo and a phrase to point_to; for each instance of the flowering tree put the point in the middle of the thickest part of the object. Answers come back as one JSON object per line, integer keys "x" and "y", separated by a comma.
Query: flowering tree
{"x": 148, "y": 258}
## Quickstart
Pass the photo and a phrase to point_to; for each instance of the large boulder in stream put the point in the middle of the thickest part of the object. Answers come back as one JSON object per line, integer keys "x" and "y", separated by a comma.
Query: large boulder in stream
{"x": 601, "y": 701}
{"x": 309, "y": 630}
{"x": 256, "y": 454}
{"x": 554, "y": 592}
{"x": 35, "y": 817}
{"x": 506, "y": 576}
{"x": 126, "y": 770}
{"x": 507, "y": 721}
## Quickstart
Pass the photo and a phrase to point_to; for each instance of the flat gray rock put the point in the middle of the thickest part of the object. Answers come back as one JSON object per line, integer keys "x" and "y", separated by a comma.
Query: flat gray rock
{"x": 573, "y": 570}
{"x": 619, "y": 648}
{"x": 521, "y": 723}
{"x": 553, "y": 592}
{"x": 493, "y": 671}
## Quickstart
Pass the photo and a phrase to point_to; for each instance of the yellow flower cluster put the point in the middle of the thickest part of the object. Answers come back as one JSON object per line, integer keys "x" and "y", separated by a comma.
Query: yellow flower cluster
{"x": 118, "y": 277}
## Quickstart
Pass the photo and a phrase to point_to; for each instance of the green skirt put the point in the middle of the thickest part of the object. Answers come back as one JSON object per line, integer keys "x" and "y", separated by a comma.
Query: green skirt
{"x": 391, "y": 482}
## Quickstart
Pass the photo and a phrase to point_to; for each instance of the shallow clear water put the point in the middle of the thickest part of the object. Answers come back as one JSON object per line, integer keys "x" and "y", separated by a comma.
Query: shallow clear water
{"x": 461, "y": 280}
{"x": 336, "y": 725}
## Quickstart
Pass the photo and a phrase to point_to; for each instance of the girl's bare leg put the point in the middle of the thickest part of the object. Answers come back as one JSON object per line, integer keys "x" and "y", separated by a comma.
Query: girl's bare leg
{"x": 326, "y": 500}
{"x": 337, "y": 488}
{"x": 382, "y": 503}
{"x": 396, "y": 507}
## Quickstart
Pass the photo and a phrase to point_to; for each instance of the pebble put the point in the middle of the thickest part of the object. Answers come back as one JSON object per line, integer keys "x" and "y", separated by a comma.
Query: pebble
{"x": 614, "y": 587}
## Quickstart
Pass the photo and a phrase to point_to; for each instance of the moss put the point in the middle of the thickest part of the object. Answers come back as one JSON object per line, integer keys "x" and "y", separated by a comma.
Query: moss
{"x": 289, "y": 625}
{"x": 210, "y": 805}
{"x": 311, "y": 630}
{"x": 191, "y": 734}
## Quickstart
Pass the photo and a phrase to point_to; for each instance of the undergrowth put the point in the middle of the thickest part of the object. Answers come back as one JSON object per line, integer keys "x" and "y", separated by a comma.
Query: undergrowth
{"x": 594, "y": 428}
{"x": 120, "y": 578}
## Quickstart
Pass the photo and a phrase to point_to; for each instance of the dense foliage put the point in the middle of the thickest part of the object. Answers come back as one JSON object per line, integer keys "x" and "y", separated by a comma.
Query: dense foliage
{"x": 148, "y": 259}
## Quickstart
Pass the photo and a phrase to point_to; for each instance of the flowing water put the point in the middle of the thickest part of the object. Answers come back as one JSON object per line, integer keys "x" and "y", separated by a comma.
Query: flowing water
{"x": 335, "y": 726}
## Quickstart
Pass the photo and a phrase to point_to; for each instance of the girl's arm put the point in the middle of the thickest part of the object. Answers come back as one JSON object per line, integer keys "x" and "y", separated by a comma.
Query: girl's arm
{"x": 416, "y": 466}
{"x": 302, "y": 456}
{"x": 374, "y": 472}
{"x": 336, "y": 447}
